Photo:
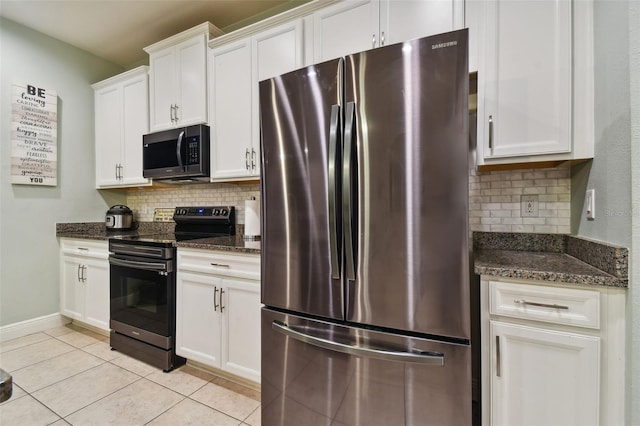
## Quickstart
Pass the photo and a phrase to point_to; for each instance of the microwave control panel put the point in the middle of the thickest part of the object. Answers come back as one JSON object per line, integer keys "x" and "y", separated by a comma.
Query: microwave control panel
{"x": 193, "y": 150}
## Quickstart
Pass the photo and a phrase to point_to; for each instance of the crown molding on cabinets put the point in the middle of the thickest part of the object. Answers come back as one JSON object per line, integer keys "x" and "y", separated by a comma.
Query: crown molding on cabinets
{"x": 289, "y": 15}
{"x": 204, "y": 28}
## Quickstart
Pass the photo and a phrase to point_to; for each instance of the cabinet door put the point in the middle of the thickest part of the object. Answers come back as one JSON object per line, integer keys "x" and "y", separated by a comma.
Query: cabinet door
{"x": 241, "y": 328}
{"x": 198, "y": 318}
{"x": 345, "y": 28}
{"x": 543, "y": 377}
{"x": 526, "y": 86}
{"x": 402, "y": 20}
{"x": 275, "y": 52}
{"x": 135, "y": 123}
{"x": 72, "y": 288}
{"x": 162, "y": 89}
{"x": 191, "y": 92}
{"x": 108, "y": 134}
{"x": 231, "y": 108}
{"x": 97, "y": 295}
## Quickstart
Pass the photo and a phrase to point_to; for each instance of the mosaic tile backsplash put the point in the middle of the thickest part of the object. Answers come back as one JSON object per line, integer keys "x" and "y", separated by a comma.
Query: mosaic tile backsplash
{"x": 144, "y": 201}
{"x": 494, "y": 200}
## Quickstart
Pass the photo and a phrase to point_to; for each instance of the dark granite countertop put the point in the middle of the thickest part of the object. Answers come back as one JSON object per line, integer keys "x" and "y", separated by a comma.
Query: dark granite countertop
{"x": 552, "y": 258}
{"x": 235, "y": 243}
{"x": 97, "y": 231}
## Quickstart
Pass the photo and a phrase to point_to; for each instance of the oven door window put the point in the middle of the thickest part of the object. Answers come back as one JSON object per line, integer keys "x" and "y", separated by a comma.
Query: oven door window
{"x": 141, "y": 298}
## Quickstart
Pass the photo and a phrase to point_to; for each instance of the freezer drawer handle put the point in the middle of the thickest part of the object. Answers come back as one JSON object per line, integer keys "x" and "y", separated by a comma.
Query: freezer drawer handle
{"x": 543, "y": 305}
{"x": 429, "y": 358}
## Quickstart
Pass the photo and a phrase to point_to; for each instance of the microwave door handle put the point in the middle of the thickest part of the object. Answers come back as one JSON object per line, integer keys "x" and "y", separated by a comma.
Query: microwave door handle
{"x": 179, "y": 149}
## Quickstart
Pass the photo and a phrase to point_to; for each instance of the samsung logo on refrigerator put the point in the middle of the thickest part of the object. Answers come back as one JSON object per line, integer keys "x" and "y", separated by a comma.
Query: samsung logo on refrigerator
{"x": 445, "y": 44}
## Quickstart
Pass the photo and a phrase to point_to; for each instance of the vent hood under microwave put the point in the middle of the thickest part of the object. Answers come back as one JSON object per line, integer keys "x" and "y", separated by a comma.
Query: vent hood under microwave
{"x": 177, "y": 155}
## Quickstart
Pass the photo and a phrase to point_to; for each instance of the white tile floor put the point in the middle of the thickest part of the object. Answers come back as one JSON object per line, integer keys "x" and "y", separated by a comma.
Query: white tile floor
{"x": 69, "y": 375}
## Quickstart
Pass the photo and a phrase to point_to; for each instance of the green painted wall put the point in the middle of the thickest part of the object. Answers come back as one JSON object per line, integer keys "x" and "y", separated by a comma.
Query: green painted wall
{"x": 29, "y": 262}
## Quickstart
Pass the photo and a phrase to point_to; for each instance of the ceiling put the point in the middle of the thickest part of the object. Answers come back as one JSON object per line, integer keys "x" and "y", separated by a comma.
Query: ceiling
{"x": 118, "y": 30}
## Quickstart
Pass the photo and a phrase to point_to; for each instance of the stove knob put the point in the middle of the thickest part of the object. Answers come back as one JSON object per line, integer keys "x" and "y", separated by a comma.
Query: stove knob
{"x": 224, "y": 212}
{"x": 216, "y": 212}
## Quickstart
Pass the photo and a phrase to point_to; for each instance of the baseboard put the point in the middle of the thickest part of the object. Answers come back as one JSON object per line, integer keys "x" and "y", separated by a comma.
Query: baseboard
{"x": 225, "y": 375}
{"x": 34, "y": 325}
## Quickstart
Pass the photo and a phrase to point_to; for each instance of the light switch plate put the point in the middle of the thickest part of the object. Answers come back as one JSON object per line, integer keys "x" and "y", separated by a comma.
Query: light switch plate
{"x": 590, "y": 204}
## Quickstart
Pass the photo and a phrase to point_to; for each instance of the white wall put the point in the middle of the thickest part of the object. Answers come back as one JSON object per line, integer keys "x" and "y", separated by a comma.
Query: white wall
{"x": 633, "y": 317}
{"x": 29, "y": 271}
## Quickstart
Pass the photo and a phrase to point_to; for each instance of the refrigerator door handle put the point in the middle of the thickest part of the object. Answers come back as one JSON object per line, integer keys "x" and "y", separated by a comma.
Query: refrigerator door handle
{"x": 334, "y": 140}
{"x": 347, "y": 208}
{"x": 429, "y": 358}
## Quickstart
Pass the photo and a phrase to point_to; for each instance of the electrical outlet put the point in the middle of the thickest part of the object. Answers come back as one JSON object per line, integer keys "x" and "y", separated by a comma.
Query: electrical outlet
{"x": 590, "y": 203}
{"x": 529, "y": 206}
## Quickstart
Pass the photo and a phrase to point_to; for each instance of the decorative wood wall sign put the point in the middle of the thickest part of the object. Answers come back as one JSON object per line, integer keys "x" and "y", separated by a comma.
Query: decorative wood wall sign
{"x": 34, "y": 136}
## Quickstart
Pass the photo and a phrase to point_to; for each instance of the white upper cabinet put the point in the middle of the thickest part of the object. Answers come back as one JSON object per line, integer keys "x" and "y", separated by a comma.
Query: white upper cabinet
{"x": 344, "y": 28}
{"x": 235, "y": 69}
{"x": 230, "y": 101}
{"x": 121, "y": 118}
{"x": 408, "y": 19}
{"x": 178, "y": 78}
{"x": 353, "y": 26}
{"x": 534, "y": 80}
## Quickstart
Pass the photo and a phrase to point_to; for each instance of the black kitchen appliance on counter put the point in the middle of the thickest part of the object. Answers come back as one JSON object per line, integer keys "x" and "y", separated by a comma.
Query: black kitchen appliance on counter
{"x": 143, "y": 284}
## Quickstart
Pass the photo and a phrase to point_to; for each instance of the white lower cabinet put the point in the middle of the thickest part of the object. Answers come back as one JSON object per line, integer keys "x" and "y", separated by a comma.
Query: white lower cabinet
{"x": 551, "y": 354}
{"x": 84, "y": 282}
{"x": 543, "y": 377}
{"x": 218, "y": 311}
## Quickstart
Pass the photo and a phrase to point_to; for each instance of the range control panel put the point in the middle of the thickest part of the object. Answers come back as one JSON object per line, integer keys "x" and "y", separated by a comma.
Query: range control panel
{"x": 205, "y": 213}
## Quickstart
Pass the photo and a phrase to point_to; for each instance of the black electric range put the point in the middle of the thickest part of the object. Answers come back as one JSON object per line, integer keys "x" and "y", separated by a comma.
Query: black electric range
{"x": 143, "y": 284}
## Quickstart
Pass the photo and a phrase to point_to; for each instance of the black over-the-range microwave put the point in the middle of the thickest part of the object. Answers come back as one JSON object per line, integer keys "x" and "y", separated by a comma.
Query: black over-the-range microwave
{"x": 180, "y": 154}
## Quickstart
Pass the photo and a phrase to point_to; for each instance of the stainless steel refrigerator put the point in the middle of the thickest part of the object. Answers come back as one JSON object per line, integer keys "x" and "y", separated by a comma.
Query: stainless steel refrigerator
{"x": 365, "y": 260}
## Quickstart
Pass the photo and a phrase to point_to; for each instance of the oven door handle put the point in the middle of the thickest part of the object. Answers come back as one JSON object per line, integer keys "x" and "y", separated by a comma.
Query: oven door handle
{"x": 148, "y": 266}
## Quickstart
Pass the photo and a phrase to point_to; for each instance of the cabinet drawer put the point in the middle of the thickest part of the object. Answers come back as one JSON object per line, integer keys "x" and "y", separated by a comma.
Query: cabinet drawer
{"x": 218, "y": 263}
{"x": 566, "y": 306}
{"x": 88, "y": 248}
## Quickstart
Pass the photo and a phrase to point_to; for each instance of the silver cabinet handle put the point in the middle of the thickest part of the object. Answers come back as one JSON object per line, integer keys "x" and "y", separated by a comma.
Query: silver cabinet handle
{"x": 80, "y": 274}
{"x": 173, "y": 120}
{"x": 116, "y": 167}
{"x": 215, "y": 300}
{"x": 429, "y": 358}
{"x": 334, "y": 207}
{"x": 253, "y": 159}
{"x": 176, "y": 111}
{"x": 544, "y": 305}
{"x": 246, "y": 159}
{"x": 382, "y": 39}
{"x": 373, "y": 41}
{"x": 491, "y": 132}
{"x": 221, "y": 306}
{"x": 221, "y": 265}
{"x": 498, "y": 356}
{"x": 83, "y": 248}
